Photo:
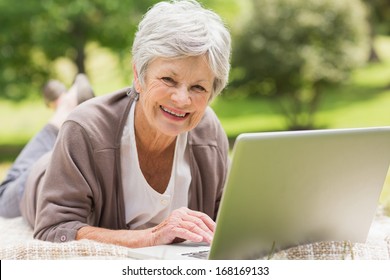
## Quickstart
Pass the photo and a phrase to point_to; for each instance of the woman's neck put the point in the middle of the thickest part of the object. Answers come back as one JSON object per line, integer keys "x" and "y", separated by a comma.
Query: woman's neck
{"x": 148, "y": 139}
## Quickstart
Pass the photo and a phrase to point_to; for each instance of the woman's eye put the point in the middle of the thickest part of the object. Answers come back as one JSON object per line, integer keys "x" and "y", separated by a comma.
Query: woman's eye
{"x": 169, "y": 81}
{"x": 199, "y": 88}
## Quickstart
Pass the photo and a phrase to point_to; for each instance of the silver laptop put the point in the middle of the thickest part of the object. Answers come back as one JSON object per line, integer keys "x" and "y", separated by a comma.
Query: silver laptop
{"x": 290, "y": 188}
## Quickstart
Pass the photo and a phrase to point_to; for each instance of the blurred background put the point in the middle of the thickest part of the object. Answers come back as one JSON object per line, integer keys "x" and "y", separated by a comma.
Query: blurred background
{"x": 296, "y": 64}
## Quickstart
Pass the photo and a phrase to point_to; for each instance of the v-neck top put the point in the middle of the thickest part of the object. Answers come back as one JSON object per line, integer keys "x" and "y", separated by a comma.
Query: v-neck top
{"x": 145, "y": 207}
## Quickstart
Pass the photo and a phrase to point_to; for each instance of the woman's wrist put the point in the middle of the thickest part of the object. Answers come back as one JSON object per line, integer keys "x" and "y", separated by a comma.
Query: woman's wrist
{"x": 127, "y": 238}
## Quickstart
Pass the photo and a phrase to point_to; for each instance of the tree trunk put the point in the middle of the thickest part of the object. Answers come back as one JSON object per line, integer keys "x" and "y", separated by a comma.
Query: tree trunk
{"x": 373, "y": 57}
{"x": 79, "y": 38}
{"x": 80, "y": 59}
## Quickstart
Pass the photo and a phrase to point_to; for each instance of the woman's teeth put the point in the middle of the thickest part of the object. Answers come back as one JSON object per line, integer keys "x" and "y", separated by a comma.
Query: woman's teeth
{"x": 173, "y": 113}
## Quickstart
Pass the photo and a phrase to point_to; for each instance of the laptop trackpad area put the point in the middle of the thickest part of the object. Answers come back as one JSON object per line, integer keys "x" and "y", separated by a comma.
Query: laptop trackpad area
{"x": 185, "y": 250}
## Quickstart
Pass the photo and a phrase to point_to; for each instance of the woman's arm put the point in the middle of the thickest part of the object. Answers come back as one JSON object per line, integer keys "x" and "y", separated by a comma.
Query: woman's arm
{"x": 182, "y": 224}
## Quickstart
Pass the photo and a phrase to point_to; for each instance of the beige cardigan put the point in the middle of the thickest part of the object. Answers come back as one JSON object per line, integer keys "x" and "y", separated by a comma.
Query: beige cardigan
{"x": 80, "y": 183}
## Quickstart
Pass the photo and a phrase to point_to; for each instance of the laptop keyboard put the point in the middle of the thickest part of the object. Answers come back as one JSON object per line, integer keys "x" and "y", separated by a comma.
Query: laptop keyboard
{"x": 198, "y": 255}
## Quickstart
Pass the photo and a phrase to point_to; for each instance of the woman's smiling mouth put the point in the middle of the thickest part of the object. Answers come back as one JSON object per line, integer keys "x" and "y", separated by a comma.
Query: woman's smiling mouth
{"x": 172, "y": 113}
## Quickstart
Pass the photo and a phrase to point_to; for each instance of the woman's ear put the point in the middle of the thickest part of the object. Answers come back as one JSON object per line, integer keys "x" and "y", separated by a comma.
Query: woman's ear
{"x": 136, "y": 79}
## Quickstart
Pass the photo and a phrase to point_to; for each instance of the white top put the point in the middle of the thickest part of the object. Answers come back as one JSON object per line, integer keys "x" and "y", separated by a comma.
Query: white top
{"x": 144, "y": 206}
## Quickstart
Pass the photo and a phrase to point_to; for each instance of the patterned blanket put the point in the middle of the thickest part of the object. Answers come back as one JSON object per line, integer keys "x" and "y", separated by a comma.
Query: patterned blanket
{"x": 16, "y": 242}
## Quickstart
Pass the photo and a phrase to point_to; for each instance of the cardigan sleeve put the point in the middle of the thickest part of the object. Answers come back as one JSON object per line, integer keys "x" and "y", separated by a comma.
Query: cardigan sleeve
{"x": 66, "y": 196}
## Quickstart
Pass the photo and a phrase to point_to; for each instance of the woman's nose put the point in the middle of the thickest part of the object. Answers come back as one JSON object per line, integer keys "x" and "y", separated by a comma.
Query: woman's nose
{"x": 181, "y": 96}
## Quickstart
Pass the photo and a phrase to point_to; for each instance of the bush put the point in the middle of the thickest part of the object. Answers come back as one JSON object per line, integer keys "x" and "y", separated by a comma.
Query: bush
{"x": 292, "y": 49}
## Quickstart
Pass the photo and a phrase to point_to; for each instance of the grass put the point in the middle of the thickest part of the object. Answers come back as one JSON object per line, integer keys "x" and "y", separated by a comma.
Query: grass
{"x": 363, "y": 102}
{"x": 22, "y": 120}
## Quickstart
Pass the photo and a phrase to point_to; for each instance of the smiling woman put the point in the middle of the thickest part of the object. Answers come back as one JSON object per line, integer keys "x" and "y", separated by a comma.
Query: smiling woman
{"x": 145, "y": 165}
{"x": 174, "y": 96}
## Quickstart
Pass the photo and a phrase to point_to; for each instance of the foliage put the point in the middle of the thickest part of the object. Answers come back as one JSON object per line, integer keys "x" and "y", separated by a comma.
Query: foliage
{"x": 380, "y": 15}
{"x": 292, "y": 49}
{"x": 35, "y": 33}
{"x": 379, "y": 19}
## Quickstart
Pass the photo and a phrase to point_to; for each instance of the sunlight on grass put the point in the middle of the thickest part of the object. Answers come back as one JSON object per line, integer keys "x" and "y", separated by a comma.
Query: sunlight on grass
{"x": 372, "y": 112}
{"x": 22, "y": 120}
{"x": 382, "y": 45}
{"x": 375, "y": 75}
{"x": 238, "y": 125}
{"x": 244, "y": 115}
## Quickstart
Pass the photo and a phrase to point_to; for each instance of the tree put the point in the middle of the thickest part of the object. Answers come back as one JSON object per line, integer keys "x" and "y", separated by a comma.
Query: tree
{"x": 34, "y": 33}
{"x": 379, "y": 19}
{"x": 292, "y": 49}
{"x": 16, "y": 60}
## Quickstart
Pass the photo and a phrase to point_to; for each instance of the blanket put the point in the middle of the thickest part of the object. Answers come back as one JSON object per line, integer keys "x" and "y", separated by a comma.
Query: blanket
{"x": 17, "y": 242}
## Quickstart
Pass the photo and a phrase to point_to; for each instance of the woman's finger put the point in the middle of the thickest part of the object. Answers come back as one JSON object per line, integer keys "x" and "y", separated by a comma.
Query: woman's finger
{"x": 201, "y": 219}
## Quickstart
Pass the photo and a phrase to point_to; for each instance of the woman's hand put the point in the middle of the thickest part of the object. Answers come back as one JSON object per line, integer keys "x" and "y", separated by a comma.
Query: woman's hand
{"x": 184, "y": 224}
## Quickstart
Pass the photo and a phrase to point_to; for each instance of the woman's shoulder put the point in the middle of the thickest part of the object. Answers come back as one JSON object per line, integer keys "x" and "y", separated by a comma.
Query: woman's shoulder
{"x": 108, "y": 107}
{"x": 209, "y": 131}
{"x": 103, "y": 116}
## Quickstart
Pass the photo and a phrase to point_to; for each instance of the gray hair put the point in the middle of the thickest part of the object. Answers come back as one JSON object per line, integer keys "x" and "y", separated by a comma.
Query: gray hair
{"x": 183, "y": 28}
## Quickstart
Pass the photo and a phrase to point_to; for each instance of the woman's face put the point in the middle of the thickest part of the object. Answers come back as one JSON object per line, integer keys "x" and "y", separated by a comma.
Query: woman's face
{"x": 175, "y": 94}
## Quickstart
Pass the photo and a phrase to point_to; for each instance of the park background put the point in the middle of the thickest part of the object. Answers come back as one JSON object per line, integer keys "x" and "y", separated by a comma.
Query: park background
{"x": 296, "y": 64}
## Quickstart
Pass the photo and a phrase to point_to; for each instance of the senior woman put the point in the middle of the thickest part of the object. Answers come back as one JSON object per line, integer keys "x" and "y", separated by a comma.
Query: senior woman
{"x": 145, "y": 165}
